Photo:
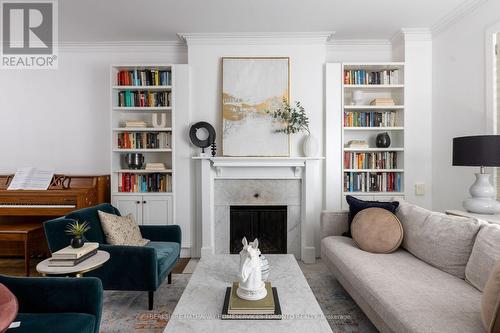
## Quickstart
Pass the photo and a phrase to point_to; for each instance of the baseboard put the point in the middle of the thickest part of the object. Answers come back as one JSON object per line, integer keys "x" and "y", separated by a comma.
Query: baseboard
{"x": 309, "y": 254}
{"x": 186, "y": 252}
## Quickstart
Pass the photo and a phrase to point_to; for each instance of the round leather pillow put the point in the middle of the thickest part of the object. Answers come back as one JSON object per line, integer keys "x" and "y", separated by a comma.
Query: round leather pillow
{"x": 377, "y": 230}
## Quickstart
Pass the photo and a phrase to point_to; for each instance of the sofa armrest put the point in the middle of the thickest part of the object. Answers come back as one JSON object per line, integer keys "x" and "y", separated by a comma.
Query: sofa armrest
{"x": 333, "y": 223}
{"x": 128, "y": 268}
{"x": 162, "y": 233}
{"x": 56, "y": 294}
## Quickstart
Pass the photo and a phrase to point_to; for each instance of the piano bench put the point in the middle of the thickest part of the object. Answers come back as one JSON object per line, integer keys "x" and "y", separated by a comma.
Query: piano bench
{"x": 22, "y": 232}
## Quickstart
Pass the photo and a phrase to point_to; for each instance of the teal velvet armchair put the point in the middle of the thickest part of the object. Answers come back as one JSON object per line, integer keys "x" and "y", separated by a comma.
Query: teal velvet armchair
{"x": 141, "y": 268}
{"x": 56, "y": 304}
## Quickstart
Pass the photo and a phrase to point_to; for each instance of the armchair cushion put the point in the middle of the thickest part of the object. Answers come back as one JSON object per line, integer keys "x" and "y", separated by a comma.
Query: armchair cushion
{"x": 95, "y": 234}
{"x": 55, "y": 323}
{"x": 166, "y": 256}
{"x": 162, "y": 233}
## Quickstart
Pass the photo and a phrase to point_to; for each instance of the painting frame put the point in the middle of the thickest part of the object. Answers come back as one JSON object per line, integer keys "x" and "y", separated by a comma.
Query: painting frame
{"x": 284, "y": 148}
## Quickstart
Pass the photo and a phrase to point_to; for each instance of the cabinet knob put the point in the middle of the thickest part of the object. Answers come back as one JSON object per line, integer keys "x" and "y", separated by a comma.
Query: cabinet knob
{"x": 137, "y": 202}
{"x": 256, "y": 195}
{"x": 144, "y": 202}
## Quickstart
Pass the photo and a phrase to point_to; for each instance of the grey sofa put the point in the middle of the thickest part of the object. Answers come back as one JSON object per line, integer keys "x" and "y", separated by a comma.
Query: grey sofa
{"x": 433, "y": 283}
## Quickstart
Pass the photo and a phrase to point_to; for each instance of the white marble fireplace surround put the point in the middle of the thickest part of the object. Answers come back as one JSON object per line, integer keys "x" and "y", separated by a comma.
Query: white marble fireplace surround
{"x": 226, "y": 181}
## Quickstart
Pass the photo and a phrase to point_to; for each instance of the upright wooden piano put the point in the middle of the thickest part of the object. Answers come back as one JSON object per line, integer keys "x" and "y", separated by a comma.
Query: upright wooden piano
{"x": 65, "y": 194}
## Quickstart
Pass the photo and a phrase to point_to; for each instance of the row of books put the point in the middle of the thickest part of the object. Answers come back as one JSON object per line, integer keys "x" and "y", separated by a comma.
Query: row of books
{"x": 129, "y": 98}
{"x": 378, "y": 160}
{"x": 144, "y": 140}
{"x": 69, "y": 256}
{"x": 373, "y": 182}
{"x": 144, "y": 77}
{"x": 151, "y": 182}
{"x": 362, "y": 76}
{"x": 370, "y": 119}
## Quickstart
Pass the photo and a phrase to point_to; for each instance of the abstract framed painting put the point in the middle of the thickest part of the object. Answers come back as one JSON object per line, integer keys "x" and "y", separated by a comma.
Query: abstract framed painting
{"x": 250, "y": 88}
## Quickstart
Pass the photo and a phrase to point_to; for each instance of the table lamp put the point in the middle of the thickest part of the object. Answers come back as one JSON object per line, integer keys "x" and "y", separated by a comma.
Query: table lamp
{"x": 482, "y": 151}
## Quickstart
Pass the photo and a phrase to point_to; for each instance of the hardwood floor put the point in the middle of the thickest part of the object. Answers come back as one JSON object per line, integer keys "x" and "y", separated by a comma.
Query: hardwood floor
{"x": 15, "y": 266}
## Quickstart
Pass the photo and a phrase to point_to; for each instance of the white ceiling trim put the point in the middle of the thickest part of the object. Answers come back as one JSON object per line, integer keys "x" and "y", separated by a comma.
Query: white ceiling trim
{"x": 257, "y": 38}
{"x": 359, "y": 42}
{"x": 413, "y": 34}
{"x": 125, "y": 46}
{"x": 467, "y": 7}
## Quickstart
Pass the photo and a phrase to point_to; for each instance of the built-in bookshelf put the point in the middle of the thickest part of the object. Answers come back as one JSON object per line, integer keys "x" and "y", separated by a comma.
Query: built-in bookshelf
{"x": 142, "y": 127}
{"x": 372, "y": 103}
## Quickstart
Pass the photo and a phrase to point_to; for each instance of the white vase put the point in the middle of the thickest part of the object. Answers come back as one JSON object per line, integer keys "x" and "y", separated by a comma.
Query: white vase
{"x": 310, "y": 146}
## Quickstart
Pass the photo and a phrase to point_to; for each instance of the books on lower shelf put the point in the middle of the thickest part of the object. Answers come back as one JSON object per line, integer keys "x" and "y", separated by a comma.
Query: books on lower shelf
{"x": 143, "y": 183}
{"x": 370, "y": 119}
{"x": 361, "y": 76}
{"x": 129, "y": 98}
{"x": 142, "y": 140}
{"x": 378, "y": 160}
{"x": 237, "y": 308}
{"x": 373, "y": 182}
{"x": 144, "y": 77}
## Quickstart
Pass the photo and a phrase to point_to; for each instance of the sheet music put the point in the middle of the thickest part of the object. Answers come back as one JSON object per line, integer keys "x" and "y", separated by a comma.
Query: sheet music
{"x": 31, "y": 179}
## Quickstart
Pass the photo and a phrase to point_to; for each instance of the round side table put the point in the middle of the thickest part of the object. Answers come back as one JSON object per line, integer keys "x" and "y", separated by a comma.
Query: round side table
{"x": 94, "y": 262}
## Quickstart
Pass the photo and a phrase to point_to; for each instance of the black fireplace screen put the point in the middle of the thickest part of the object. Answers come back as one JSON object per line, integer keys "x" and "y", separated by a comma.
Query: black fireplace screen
{"x": 267, "y": 223}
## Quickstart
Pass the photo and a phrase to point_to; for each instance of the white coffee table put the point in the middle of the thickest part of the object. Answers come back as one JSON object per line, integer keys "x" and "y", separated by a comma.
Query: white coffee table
{"x": 200, "y": 306}
{"x": 85, "y": 266}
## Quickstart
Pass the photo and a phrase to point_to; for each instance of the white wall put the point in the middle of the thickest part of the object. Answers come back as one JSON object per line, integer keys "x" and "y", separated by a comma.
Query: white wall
{"x": 458, "y": 100}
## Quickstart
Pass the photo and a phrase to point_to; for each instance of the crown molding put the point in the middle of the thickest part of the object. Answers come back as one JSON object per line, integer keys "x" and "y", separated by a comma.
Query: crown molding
{"x": 464, "y": 9}
{"x": 412, "y": 34}
{"x": 124, "y": 46}
{"x": 257, "y": 38}
{"x": 359, "y": 42}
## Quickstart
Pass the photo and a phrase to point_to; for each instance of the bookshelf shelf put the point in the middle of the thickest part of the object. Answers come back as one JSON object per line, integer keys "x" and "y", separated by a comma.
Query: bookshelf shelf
{"x": 142, "y": 108}
{"x": 142, "y": 129}
{"x": 163, "y": 88}
{"x": 143, "y": 94}
{"x": 142, "y": 171}
{"x": 381, "y": 128}
{"x": 373, "y": 107}
{"x": 359, "y": 174}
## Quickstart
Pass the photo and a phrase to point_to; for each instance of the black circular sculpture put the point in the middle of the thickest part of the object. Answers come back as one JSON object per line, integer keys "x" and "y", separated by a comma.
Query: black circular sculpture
{"x": 197, "y": 141}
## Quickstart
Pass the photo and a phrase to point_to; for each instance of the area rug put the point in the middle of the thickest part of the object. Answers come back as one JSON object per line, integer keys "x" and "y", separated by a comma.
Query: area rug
{"x": 127, "y": 311}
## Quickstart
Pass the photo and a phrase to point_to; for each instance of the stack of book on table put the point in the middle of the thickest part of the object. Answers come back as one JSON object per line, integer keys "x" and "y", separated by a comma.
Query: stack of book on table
{"x": 238, "y": 308}
{"x": 68, "y": 256}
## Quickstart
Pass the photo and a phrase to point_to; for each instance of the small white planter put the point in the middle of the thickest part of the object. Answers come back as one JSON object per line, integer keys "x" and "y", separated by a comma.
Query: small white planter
{"x": 310, "y": 146}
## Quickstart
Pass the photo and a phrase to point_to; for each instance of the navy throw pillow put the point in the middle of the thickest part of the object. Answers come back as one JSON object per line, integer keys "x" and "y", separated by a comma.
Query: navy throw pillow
{"x": 356, "y": 205}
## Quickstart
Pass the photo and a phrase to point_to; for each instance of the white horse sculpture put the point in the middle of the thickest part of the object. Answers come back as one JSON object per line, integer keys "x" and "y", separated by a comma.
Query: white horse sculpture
{"x": 251, "y": 286}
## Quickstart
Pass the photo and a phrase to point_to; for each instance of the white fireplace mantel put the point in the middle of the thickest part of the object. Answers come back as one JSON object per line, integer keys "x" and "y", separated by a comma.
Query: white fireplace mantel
{"x": 305, "y": 169}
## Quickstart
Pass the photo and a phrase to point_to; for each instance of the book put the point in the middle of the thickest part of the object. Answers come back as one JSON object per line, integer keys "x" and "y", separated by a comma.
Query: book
{"x": 155, "y": 166}
{"x": 361, "y": 76}
{"x": 238, "y": 305}
{"x": 145, "y": 77}
{"x": 31, "y": 179}
{"x": 55, "y": 262}
{"x": 277, "y": 315}
{"x": 356, "y": 144}
{"x": 135, "y": 123}
{"x": 71, "y": 253}
{"x": 382, "y": 101}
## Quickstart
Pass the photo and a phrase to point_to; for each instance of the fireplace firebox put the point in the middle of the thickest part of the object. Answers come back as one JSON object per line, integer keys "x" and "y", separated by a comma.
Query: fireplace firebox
{"x": 267, "y": 223}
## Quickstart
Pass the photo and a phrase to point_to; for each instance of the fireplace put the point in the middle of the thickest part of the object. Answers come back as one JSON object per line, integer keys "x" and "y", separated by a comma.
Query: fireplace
{"x": 267, "y": 223}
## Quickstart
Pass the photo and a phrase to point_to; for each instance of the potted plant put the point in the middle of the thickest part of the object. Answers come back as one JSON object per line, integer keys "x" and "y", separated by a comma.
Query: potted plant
{"x": 296, "y": 121}
{"x": 77, "y": 230}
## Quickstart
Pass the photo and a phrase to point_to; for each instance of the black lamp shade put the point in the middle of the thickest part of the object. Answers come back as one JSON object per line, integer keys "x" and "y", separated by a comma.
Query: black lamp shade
{"x": 478, "y": 150}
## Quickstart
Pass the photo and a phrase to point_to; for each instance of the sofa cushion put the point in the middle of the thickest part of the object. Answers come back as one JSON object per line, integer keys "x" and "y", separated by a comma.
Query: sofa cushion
{"x": 55, "y": 323}
{"x": 408, "y": 294}
{"x": 491, "y": 300}
{"x": 376, "y": 230}
{"x": 166, "y": 256}
{"x": 95, "y": 234}
{"x": 485, "y": 253}
{"x": 356, "y": 205}
{"x": 121, "y": 230}
{"x": 443, "y": 241}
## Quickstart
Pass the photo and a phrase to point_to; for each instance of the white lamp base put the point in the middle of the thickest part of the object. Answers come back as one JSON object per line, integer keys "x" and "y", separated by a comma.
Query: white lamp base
{"x": 483, "y": 194}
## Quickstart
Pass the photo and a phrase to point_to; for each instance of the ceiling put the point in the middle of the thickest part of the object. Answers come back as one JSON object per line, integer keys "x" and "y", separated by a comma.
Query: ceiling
{"x": 160, "y": 20}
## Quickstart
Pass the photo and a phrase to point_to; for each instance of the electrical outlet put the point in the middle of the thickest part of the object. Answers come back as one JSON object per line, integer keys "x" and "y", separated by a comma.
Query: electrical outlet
{"x": 419, "y": 189}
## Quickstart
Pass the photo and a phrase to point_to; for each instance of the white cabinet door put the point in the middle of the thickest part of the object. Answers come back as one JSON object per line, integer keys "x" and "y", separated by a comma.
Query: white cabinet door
{"x": 157, "y": 209}
{"x": 129, "y": 204}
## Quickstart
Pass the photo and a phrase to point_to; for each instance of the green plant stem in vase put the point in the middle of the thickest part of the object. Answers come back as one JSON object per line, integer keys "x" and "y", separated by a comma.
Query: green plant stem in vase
{"x": 77, "y": 230}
